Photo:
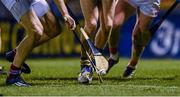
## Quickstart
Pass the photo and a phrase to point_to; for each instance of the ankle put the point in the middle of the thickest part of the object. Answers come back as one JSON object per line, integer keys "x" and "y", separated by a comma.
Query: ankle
{"x": 132, "y": 63}
{"x": 114, "y": 53}
{"x": 131, "y": 66}
{"x": 114, "y": 56}
{"x": 113, "y": 50}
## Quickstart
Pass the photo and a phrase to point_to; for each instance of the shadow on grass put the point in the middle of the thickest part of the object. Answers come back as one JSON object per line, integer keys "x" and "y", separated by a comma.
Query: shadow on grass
{"x": 54, "y": 78}
{"x": 156, "y": 78}
{"x": 63, "y": 81}
{"x": 3, "y": 85}
{"x": 107, "y": 78}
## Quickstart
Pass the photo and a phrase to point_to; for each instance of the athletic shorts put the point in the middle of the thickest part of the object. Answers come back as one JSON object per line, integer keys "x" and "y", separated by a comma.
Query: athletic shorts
{"x": 20, "y": 7}
{"x": 40, "y": 7}
{"x": 148, "y": 7}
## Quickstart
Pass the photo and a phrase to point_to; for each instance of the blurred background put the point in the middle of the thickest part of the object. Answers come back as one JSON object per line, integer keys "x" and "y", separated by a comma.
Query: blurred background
{"x": 165, "y": 44}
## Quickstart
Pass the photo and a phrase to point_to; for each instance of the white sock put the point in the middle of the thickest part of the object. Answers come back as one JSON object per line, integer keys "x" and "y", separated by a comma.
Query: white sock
{"x": 114, "y": 56}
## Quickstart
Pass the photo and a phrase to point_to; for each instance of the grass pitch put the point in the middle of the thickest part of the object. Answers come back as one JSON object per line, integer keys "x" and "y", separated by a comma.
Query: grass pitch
{"x": 59, "y": 77}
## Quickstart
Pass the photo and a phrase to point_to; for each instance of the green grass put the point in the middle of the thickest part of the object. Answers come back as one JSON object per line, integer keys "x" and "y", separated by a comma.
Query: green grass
{"x": 59, "y": 77}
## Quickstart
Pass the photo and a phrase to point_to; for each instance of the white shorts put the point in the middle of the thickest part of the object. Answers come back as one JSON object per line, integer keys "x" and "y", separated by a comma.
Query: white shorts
{"x": 20, "y": 7}
{"x": 148, "y": 7}
{"x": 40, "y": 7}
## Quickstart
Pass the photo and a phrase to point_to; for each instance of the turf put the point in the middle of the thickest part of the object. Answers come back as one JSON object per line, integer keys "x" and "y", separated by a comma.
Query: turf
{"x": 59, "y": 77}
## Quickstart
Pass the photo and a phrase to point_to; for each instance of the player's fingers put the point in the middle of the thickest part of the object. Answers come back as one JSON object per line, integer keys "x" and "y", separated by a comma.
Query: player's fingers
{"x": 73, "y": 27}
{"x": 70, "y": 22}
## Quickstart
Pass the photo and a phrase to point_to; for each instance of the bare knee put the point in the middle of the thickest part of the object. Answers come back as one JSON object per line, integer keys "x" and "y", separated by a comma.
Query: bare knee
{"x": 53, "y": 27}
{"x": 33, "y": 25}
{"x": 107, "y": 28}
{"x": 118, "y": 20}
{"x": 35, "y": 32}
{"x": 90, "y": 26}
{"x": 116, "y": 24}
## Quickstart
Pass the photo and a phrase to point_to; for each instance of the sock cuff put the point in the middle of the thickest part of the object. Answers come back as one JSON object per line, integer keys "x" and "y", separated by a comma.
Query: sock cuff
{"x": 83, "y": 58}
{"x": 14, "y": 71}
{"x": 85, "y": 62}
{"x": 113, "y": 50}
{"x": 133, "y": 63}
{"x": 13, "y": 67}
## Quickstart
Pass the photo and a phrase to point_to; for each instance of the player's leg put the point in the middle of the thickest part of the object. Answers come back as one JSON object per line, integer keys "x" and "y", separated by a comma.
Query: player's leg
{"x": 90, "y": 13}
{"x": 51, "y": 25}
{"x": 122, "y": 12}
{"x": 106, "y": 23}
{"x": 139, "y": 39}
{"x": 51, "y": 29}
{"x": 141, "y": 36}
{"x": 34, "y": 31}
{"x": 48, "y": 20}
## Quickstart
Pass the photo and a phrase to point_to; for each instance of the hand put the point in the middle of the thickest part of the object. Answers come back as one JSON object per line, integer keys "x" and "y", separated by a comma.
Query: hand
{"x": 70, "y": 22}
